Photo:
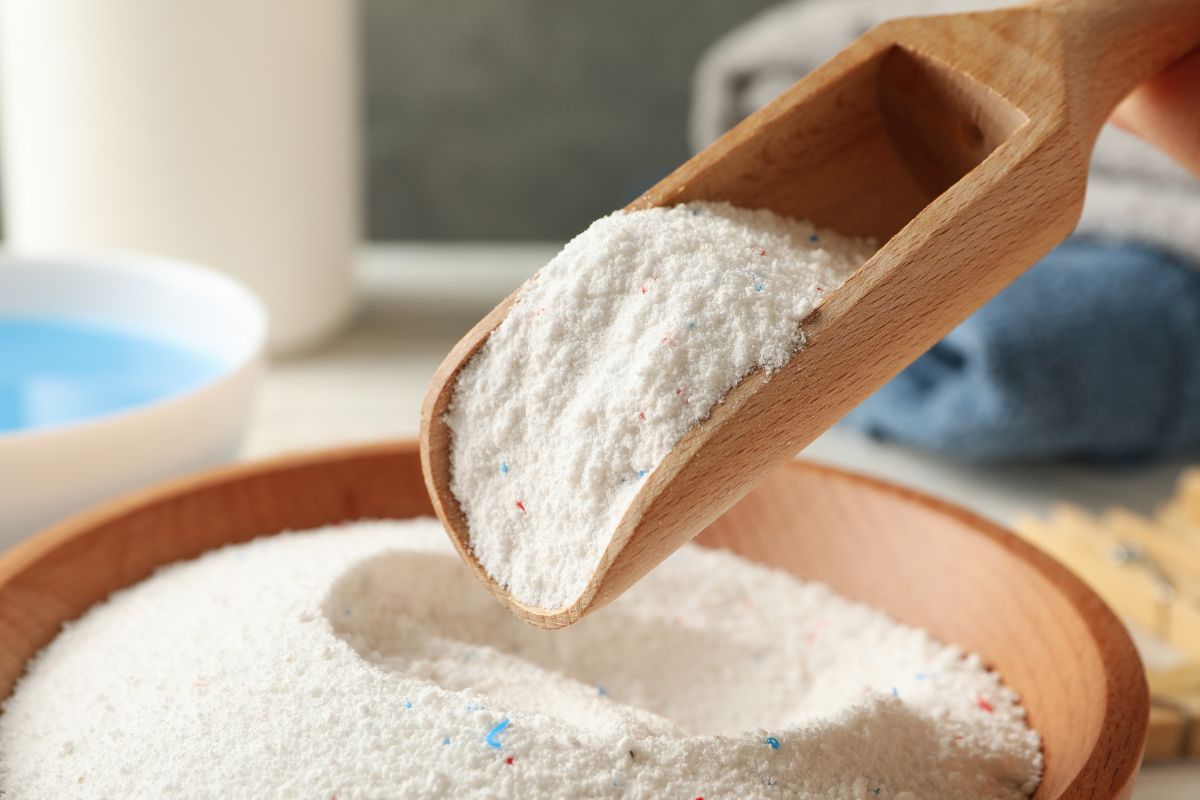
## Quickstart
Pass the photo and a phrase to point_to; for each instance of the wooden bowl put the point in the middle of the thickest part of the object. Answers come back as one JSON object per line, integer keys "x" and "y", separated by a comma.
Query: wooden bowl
{"x": 925, "y": 562}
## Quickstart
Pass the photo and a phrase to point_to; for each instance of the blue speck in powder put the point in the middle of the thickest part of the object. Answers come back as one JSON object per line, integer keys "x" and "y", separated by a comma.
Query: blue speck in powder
{"x": 773, "y": 742}
{"x": 492, "y": 741}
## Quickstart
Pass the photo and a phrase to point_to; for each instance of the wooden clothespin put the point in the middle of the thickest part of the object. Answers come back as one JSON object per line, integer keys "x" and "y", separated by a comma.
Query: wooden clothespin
{"x": 1148, "y": 570}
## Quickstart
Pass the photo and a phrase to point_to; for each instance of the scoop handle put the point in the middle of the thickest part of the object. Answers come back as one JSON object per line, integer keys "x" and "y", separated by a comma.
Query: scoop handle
{"x": 1112, "y": 46}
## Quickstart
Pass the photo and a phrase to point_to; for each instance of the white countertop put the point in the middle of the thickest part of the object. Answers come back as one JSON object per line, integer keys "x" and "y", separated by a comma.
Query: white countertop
{"x": 418, "y": 299}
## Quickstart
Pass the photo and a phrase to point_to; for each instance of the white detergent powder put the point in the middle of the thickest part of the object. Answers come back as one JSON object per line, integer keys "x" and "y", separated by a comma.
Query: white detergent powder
{"x": 613, "y": 351}
{"x": 365, "y": 662}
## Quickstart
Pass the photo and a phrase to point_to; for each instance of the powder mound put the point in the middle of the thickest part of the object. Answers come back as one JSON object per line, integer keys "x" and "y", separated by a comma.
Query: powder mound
{"x": 619, "y": 346}
{"x": 366, "y": 662}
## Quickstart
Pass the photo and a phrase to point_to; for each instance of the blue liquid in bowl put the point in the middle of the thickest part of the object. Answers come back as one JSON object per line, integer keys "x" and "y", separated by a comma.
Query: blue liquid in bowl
{"x": 54, "y": 371}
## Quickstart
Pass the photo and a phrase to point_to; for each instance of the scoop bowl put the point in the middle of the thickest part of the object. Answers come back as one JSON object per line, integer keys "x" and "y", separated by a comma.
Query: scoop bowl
{"x": 961, "y": 142}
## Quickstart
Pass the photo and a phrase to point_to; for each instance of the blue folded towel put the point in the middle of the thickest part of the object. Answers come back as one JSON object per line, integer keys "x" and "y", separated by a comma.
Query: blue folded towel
{"x": 1094, "y": 353}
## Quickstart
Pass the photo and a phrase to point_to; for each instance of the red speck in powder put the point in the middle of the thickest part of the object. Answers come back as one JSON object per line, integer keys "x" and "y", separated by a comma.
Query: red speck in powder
{"x": 985, "y": 705}
{"x": 762, "y": 252}
{"x": 643, "y": 290}
{"x": 641, "y": 415}
{"x": 508, "y": 760}
{"x": 520, "y": 505}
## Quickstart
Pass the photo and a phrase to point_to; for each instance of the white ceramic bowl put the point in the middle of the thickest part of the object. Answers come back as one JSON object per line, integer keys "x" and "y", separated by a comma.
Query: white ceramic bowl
{"x": 47, "y": 473}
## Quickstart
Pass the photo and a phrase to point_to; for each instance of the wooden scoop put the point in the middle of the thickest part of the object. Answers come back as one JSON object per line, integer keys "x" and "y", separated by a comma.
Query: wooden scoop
{"x": 960, "y": 141}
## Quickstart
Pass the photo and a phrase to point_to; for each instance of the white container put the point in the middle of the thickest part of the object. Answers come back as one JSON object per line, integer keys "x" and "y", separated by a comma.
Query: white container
{"x": 223, "y": 132}
{"x": 48, "y": 473}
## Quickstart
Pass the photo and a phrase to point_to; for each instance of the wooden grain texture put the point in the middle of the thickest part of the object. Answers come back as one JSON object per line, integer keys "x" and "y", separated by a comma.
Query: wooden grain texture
{"x": 961, "y": 142}
{"x": 925, "y": 562}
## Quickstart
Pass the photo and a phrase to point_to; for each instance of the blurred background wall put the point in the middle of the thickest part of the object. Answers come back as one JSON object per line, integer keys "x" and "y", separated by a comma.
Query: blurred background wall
{"x": 525, "y": 119}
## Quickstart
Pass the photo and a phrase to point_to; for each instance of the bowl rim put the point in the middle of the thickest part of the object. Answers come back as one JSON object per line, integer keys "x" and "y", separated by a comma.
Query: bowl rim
{"x": 146, "y": 267}
{"x": 1110, "y": 758}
